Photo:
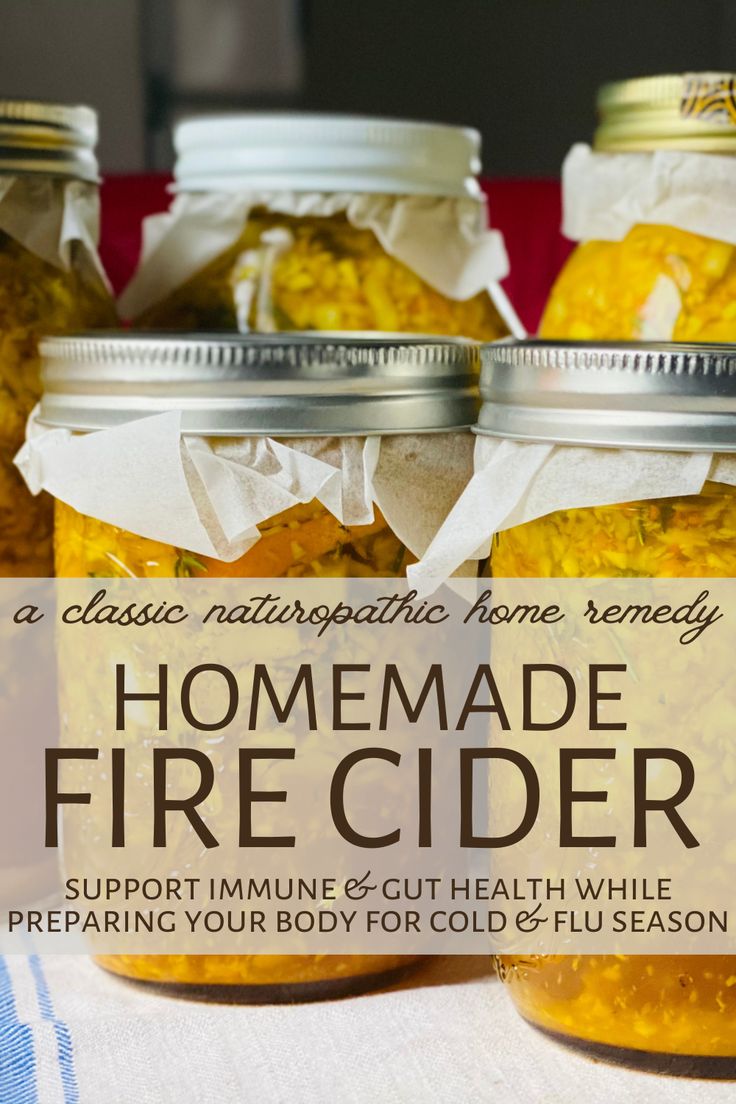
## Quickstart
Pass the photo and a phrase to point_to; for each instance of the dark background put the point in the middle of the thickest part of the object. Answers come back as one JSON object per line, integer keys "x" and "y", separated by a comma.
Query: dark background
{"x": 523, "y": 71}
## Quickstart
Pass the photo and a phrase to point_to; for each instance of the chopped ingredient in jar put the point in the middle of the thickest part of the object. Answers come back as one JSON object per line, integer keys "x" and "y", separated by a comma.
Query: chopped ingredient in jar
{"x": 330, "y": 276}
{"x": 628, "y": 289}
{"x": 250, "y": 970}
{"x": 304, "y": 541}
{"x": 670, "y": 1004}
{"x": 35, "y": 298}
{"x": 685, "y": 537}
{"x": 667, "y": 1004}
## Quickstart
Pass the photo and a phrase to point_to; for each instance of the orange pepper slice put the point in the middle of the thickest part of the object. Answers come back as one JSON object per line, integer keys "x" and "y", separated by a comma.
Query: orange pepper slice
{"x": 282, "y": 548}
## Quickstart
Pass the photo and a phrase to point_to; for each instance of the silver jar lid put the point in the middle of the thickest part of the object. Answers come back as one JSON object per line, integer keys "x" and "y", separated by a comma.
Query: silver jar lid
{"x": 49, "y": 138}
{"x": 611, "y": 394}
{"x": 286, "y": 385}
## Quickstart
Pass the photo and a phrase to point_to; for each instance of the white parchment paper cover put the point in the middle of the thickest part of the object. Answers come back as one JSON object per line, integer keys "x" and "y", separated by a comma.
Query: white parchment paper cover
{"x": 445, "y": 241}
{"x": 46, "y": 216}
{"x": 515, "y": 482}
{"x": 606, "y": 194}
{"x": 208, "y": 495}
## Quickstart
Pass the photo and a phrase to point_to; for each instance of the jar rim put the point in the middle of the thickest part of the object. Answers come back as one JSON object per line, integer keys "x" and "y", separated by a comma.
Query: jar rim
{"x": 610, "y": 394}
{"x": 296, "y": 384}
{"x": 678, "y": 111}
{"x": 310, "y": 152}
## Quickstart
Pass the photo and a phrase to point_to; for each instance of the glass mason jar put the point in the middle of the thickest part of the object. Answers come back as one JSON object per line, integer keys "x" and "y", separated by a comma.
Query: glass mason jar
{"x": 323, "y": 223}
{"x": 676, "y": 1014}
{"x": 662, "y": 151}
{"x": 289, "y": 388}
{"x": 49, "y": 282}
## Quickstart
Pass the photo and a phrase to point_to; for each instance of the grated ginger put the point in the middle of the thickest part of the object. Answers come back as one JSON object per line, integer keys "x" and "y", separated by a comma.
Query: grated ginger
{"x": 329, "y": 275}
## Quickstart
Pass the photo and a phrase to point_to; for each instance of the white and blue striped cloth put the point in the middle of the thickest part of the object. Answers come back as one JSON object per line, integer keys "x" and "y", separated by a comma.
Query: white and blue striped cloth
{"x": 36, "y": 1052}
{"x": 70, "y": 1034}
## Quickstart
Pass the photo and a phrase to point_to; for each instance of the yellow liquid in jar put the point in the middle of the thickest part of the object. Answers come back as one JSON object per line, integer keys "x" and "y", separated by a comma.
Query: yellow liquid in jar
{"x": 304, "y": 541}
{"x": 668, "y": 1005}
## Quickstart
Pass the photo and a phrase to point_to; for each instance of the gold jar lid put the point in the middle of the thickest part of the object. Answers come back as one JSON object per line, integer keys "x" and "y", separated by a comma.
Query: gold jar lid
{"x": 685, "y": 111}
{"x": 49, "y": 138}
